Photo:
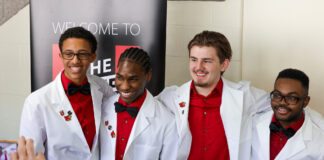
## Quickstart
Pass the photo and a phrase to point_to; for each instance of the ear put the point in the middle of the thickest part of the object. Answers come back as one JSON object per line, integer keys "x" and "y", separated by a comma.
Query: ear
{"x": 93, "y": 57}
{"x": 149, "y": 76}
{"x": 225, "y": 65}
{"x": 61, "y": 57}
{"x": 306, "y": 101}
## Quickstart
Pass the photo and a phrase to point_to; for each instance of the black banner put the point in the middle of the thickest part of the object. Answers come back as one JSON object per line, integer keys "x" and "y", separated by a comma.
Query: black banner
{"x": 117, "y": 25}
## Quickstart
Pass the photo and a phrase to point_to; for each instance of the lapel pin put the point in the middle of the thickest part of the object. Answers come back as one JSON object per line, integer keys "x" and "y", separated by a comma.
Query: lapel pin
{"x": 69, "y": 113}
{"x": 182, "y": 104}
{"x": 68, "y": 117}
{"x": 62, "y": 113}
{"x": 106, "y": 123}
{"x": 109, "y": 127}
{"x": 113, "y": 135}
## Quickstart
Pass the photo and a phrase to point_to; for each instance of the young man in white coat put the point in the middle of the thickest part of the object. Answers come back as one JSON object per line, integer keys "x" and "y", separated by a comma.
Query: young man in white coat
{"x": 287, "y": 131}
{"x": 134, "y": 125}
{"x": 213, "y": 115}
{"x": 63, "y": 117}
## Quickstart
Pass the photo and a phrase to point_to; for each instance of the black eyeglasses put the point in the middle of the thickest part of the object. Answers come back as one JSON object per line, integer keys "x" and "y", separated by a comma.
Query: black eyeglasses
{"x": 81, "y": 56}
{"x": 293, "y": 100}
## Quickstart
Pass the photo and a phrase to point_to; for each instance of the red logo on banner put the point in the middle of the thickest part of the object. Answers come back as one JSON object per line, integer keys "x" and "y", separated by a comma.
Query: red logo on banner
{"x": 118, "y": 51}
{"x": 57, "y": 65}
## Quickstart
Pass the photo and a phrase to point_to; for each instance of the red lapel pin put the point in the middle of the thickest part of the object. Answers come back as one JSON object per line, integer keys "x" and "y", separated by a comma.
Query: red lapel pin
{"x": 113, "y": 135}
{"x": 68, "y": 117}
{"x": 62, "y": 113}
{"x": 182, "y": 104}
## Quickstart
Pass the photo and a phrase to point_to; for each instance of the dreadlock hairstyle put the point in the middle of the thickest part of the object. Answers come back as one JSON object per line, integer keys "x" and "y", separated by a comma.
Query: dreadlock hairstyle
{"x": 138, "y": 56}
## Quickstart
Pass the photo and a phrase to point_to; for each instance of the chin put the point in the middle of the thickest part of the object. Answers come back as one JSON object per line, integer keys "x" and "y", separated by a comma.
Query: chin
{"x": 200, "y": 84}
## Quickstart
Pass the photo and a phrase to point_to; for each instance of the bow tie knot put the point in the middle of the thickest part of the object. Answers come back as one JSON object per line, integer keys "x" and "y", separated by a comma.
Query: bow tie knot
{"x": 289, "y": 132}
{"x": 132, "y": 111}
{"x": 84, "y": 89}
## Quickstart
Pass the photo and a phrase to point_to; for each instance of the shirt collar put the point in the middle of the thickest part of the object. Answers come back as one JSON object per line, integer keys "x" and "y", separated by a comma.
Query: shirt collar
{"x": 217, "y": 91}
{"x": 66, "y": 81}
{"x": 138, "y": 103}
{"x": 295, "y": 126}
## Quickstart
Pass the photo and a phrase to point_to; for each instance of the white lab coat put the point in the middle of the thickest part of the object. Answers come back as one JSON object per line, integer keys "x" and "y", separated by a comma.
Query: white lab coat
{"x": 239, "y": 102}
{"x": 153, "y": 136}
{"x": 52, "y": 134}
{"x": 306, "y": 144}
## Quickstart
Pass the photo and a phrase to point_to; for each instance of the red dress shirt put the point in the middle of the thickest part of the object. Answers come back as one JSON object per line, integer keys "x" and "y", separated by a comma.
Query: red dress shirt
{"x": 278, "y": 140}
{"x": 208, "y": 135}
{"x": 125, "y": 124}
{"x": 83, "y": 108}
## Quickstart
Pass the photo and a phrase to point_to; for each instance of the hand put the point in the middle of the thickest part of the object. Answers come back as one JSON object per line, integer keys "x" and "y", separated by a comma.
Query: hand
{"x": 26, "y": 151}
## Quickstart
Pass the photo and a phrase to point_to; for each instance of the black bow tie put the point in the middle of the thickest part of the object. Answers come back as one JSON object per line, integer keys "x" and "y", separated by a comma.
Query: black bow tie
{"x": 289, "y": 132}
{"x": 132, "y": 111}
{"x": 84, "y": 89}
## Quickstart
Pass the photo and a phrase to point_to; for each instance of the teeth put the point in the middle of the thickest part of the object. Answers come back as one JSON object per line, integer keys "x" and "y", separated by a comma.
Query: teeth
{"x": 75, "y": 69}
{"x": 201, "y": 74}
{"x": 125, "y": 94}
{"x": 282, "y": 110}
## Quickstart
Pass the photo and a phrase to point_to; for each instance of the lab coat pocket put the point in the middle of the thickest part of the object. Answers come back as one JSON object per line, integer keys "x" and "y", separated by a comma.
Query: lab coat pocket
{"x": 145, "y": 152}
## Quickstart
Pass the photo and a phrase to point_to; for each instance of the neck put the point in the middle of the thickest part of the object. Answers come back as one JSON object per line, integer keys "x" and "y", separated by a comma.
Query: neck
{"x": 76, "y": 81}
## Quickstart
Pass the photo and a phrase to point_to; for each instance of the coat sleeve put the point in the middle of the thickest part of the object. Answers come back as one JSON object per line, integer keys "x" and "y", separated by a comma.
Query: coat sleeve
{"x": 170, "y": 142}
{"x": 260, "y": 101}
{"x": 104, "y": 88}
{"x": 32, "y": 125}
{"x": 166, "y": 98}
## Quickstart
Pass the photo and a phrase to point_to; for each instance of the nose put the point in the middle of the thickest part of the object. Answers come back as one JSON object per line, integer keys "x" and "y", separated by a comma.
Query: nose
{"x": 124, "y": 85}
{"x": 199, "y": 65}
{"x": 283, "y": 101}
{"x": 75, "y": 59}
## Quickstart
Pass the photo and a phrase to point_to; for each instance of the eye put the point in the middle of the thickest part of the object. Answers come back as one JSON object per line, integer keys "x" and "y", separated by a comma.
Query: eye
{"x": 119, "y": 78}
{"x": 207, "y": 61}
{"x": 133, "y": 79}
{"x": 68, "y": 53}
{"x": 276, "y": 96}
{"x": 292, "y": 98}
{"x": 193, "y": 59}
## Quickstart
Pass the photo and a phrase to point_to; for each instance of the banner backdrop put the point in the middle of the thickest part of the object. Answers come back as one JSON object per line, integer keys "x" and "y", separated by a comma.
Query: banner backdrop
{"x": 117, "y": 25}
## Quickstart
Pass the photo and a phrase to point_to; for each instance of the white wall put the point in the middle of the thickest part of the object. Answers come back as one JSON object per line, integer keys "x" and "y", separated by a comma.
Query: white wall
{"x": 14, "y": 72}
{"x": 284, "y": 34}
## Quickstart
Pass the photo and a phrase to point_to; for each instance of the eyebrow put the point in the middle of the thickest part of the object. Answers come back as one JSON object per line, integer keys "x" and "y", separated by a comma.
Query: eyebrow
{"x": 290, "y": 93}
{"x": 81, "y": 50}
{"x": 202, "y": 58}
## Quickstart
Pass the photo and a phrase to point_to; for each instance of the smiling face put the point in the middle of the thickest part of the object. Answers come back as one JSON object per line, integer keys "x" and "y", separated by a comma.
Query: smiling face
{"x": 287, "y": 114}
{"x": 76, "y": 69}
{"x": 131, "y": 80}
{"x": 205, "y": 67}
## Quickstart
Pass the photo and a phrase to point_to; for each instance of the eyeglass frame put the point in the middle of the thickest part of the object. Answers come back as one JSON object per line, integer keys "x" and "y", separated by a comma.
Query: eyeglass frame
{"x": 285, "y": 98}
{"x": 76, "y": 54}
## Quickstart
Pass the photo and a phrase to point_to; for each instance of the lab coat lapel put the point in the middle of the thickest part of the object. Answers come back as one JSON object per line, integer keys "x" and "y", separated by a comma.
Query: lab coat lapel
{"x": 66, "y": 106}
{"x": 263, "y": 133}
{"x": 146, "y": 112}
{"x": 231, "y": 114}
{"x": 296, "y": 143}
{"x": 97, "y": 103}
{"x": 111, "y": 118}
{"x": 182, "y": 100}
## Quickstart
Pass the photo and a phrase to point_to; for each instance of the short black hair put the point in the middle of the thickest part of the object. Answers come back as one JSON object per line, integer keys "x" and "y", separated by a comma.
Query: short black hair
{"x": 296, "y": 75}
{"x": 138, "y": 56}
{"x": 79, "y": 32}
